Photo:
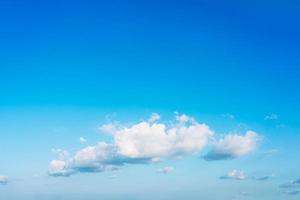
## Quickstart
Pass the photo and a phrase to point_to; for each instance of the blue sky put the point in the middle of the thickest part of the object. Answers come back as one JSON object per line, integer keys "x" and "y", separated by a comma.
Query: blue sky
{"x": 69, "y": 67}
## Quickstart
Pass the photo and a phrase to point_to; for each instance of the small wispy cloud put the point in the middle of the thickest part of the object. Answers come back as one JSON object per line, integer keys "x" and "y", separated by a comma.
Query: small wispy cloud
{"x": 154, "y": 117}
{"x": 292, "y": 192}
{"x": 291, "y": 184}
{"x": 165, "y": 170}
{"x": 263, "y": 178}
{"x": 240, "y": 195}
{"x": 234, "y": 174}
{"x": 240, "y": 175}
{"x": 61, "y": 153}
{"x": 4, "y": 180}
{"x": 228, "y": 116}
{"x": 271, "y": 152}
{"x": 282, "y": 126}
{"x": 292, "y": 187}
{"x": 82, "y": 140}
{"x": 109, "y": 128}
{"x": 113, "y": 176}
{"x": 271, "y": 116}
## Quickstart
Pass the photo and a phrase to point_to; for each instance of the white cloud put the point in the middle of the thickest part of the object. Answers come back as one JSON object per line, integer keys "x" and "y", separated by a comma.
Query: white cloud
{"x": 113, "y": 176}
{"x": 154, "y": 117}
{"x": 96, "y": 158}
{"x": 229, "y": 116}
{"x": 271, "y": 152}
{"x": 291, "y": 184}
{"x": 235, "y": 174}
{"x": 61, "y": 153}
{"x": 59, "y": 168}
{"x": 292, "y": 192}
{"x": 271, "y": 116}
{"x": 233, "y": 146}
{"x": 82, "y": 140}
{"x": 241, "y": 195}
{"x": 292, "y": 187}
{"x": 240, "y": 175}
{"x": 146, "y": 142}
{"x": 3, "y": 180}
{"x": 263, "y": 178}
{"x": 191, "y": 139}
{"x": 182, "y": 118}
{"x": 109, "y": 128}
{"x": 165, "y": 170}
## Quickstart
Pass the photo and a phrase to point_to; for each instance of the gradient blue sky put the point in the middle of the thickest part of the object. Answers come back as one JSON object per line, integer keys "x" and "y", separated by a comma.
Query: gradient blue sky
{"x": 67, "y": 67}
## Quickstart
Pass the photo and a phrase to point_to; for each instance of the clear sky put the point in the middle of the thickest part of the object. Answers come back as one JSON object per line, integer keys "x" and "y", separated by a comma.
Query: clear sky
{"x": 194, "y": 99}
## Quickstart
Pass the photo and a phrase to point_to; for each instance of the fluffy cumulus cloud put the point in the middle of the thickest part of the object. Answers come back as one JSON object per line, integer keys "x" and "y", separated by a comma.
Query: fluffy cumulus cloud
{"x": 156, "y": 141}
{"x": 59, "y": 168}
{"x": 3, "y": 180}
{"x": 144, "y": 142}
{"x": 233, "y": 146}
